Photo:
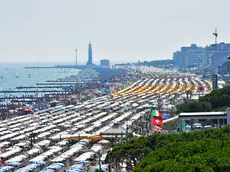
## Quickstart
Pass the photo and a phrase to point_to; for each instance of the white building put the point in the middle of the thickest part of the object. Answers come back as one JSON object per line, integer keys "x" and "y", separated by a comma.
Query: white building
{"x": 216, "y": 54}
{"x": 189, "y": 56}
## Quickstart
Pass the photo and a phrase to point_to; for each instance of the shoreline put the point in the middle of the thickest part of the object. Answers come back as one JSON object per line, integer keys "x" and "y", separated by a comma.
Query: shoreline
{"x": 90, "y": 80}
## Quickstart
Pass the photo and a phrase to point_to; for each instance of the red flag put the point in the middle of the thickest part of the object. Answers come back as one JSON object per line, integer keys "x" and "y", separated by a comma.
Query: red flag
{"x": 157, "y": 129}
{"x": 157, "y": 121}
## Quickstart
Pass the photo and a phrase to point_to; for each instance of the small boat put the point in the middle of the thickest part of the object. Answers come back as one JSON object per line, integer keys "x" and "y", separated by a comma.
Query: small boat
{"x": 29, "y": 76}
{"x": 16, "y": 77}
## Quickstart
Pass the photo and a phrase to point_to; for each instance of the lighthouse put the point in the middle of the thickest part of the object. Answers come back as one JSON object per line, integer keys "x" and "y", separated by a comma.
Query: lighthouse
{"x": 90, "y": 56}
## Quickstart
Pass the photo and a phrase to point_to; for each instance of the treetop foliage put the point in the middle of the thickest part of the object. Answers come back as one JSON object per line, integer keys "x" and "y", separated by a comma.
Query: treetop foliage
{"x": 217, "y": 100}
{"x": 206, "y": 150}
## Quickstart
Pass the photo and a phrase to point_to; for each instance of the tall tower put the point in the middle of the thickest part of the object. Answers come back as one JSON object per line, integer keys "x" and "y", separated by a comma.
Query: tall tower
{"x": 76, "y": 56}
{"x": 90, "y": 56}
{"x": 216, "y": 35}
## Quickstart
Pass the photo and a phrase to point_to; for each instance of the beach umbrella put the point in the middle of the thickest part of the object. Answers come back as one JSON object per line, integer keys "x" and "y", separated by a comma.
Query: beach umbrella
{"x": 40, "y": 162}
{"x": 104, "y": 141}
{"x": 6, "y": 168}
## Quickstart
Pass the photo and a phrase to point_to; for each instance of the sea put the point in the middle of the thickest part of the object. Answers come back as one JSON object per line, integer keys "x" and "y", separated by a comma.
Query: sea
{"x": 13, "y": 75}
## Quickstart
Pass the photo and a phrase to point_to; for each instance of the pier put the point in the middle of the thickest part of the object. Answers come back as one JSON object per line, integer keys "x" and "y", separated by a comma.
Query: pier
{"x": 64, "y": 83}
{"x": 42, "y": 87}
{"x": 32, "y": 91}
{"x": 51, "y": 95}
{"x": 27, "y": 100}
{"x": 31, "y": 99}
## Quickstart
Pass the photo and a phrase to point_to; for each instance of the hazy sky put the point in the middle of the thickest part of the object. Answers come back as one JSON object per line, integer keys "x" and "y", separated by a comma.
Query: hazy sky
{"x": 120, "y": 30}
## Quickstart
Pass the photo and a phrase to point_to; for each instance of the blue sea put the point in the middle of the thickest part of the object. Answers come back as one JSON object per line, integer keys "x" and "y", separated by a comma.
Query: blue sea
{"x": 14, "y": 74}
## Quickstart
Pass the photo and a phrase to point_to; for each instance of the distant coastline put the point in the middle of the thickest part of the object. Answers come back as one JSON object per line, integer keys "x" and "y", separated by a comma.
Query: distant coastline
{"x": 65, "y": 66}
{"x": 51, "y": 63}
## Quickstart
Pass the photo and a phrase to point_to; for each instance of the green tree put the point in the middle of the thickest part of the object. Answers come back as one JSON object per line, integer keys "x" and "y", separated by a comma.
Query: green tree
{"x": 206, "y": 150}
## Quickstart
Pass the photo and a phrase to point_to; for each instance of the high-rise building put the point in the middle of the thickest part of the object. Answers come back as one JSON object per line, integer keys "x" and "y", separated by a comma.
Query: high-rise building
{"x": 90, "y": 56}
{"x": 213, "y": 55}
{"x": 177, "y": 58}
{"x": 216, "y": 54}
{"x": 188, "y": 56}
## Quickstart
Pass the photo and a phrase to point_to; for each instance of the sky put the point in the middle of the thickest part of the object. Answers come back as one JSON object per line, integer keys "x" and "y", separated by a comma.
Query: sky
{"x": 120, "y": 30}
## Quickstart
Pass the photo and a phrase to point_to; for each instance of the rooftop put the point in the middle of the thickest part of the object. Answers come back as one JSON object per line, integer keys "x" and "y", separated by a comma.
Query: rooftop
{"x": 202, "y": 114}
{"x": 115, "y": 129}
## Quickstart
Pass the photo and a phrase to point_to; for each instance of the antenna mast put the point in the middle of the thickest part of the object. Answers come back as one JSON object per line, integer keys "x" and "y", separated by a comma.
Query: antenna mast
{"x": 216, "y": 35}
{"x": 76, "y": 57}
